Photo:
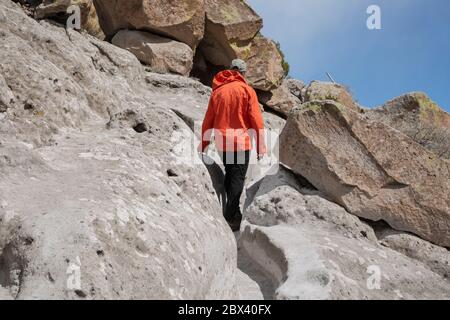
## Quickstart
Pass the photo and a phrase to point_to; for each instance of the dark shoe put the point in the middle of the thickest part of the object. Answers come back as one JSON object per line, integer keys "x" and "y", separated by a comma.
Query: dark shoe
{"x": 235, "y": 223}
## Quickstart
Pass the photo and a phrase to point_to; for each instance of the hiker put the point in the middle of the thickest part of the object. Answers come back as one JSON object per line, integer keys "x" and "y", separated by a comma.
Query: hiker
{"x": 234, "y": 116}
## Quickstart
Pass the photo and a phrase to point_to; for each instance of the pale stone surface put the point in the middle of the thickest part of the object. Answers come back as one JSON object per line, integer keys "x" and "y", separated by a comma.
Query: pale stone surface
{"x": 273, "y": 122}
{"x": 6, "y": 96}
{"x": 248, "y": 288}
{"x": 128, "y": 210}
{"x": 282, "y": 199}
{"x": 434, "y": 257}
{"x": 418, "y": 117}
{"x": 162, "y": 55}
{"x": 369, "y": 168}
{"x": 177, "y": 19}
{"x": 317, "y": 250}
{"x": 99, "y": 198}
{"x": 305, "y": 263}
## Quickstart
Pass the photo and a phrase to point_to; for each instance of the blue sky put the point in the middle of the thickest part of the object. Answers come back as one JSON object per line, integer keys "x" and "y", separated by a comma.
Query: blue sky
{"x": 410, "y": 53}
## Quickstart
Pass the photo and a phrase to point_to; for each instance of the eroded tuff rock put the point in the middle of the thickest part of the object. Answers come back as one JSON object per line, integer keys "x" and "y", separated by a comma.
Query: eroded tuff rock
{"x": 228, "y": 23}
{"x": 94, "y": 211}
{"x": 177, "y": 19}
{"x": 306, "y": 263}
{"x": 318, "y": 90}
{"x": 436, "y": 258}
{"x": 101, "y": 151}
{"x": 311, "y": 248}
{"x": 265, "y": 71}
{"x": 232, "y": 31}
{"x": 417, "y": 116}
{"x": 283, "y": 198}
{"x": 6, "y": 96}
{"x": 273, "y": 122}
{"x": 371, "y": 169}
{"x": 281, "y": 99}
{"x": 162, "y": 55}
{"x": 296, "y": 87}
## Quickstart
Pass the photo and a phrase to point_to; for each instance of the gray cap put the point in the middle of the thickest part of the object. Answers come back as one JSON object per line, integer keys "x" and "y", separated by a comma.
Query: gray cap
{"x": 239, "y": 65}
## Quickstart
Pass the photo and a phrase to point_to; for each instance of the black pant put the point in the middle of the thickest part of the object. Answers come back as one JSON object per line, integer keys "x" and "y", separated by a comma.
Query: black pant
{"x": 236, "y": 166}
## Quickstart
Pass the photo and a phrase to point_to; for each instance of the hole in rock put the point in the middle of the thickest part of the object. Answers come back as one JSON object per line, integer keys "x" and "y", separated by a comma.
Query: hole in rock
{"x": 172, "y": 173}
{"x": 140, "y": 127}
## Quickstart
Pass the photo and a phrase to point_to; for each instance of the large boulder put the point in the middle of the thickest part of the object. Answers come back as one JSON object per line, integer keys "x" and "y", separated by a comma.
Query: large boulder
{"x": 232, "y": 31}
{"x": 434, "y": 257}
{"x": 162, "y": 55}
{"x": 58, "y": 8}
{"x": 318, "y": 264}
{"x": 227, "y": 22}
{"x": 89, "y": 211}
{"x": 371, "y": 169}
{"x": 264, "y": 63}
{"x": 417, "y": 116}
{"x": 318, "y": 90}
{"x": 311, "y": 248}
{"x": 265, "y": 70}
{"x": 281, "y": 99}
{"x": 177, "y": 19}
{"x": 284, "y": 198}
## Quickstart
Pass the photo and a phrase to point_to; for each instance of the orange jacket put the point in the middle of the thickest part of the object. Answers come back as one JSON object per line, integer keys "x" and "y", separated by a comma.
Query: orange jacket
{"x": 232, "y": 111}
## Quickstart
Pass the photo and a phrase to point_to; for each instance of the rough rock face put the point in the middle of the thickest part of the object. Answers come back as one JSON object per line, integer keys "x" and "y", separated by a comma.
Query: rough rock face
{"x": 295, "y": 86}
{"x": 95, "y": 211}
{"x": 283, "y": 198}
{"x": 100, "y": 199}
{"x": 177, "y": 19}
{"x": 280, "y": 99}
{"x": 265, "y": 71}
{"x": 232, "y": 31}
{"x": 6, "y": 96}
{"x": 273, "y": 122}
{"x": 371, "y": 169}
{"x": 434, "y": 257}
{"x": 318, "y": 90}
{"x": 417, "y": 116}
{"x": 55, "y": 8}
{"x": 162, "y": 55}
{"x": 311, "y": 248}
{"x": 228, "y": 22}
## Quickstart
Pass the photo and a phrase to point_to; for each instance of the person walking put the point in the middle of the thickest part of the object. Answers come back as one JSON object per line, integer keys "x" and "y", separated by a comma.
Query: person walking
{"x": 234, "y": 117}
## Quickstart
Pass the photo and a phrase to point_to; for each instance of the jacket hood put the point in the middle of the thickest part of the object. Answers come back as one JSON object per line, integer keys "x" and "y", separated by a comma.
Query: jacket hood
{"x": 227, "y": 76}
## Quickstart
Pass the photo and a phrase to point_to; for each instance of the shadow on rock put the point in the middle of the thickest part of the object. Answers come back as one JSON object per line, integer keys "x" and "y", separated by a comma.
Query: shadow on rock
{"x": 217, "y": 178}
